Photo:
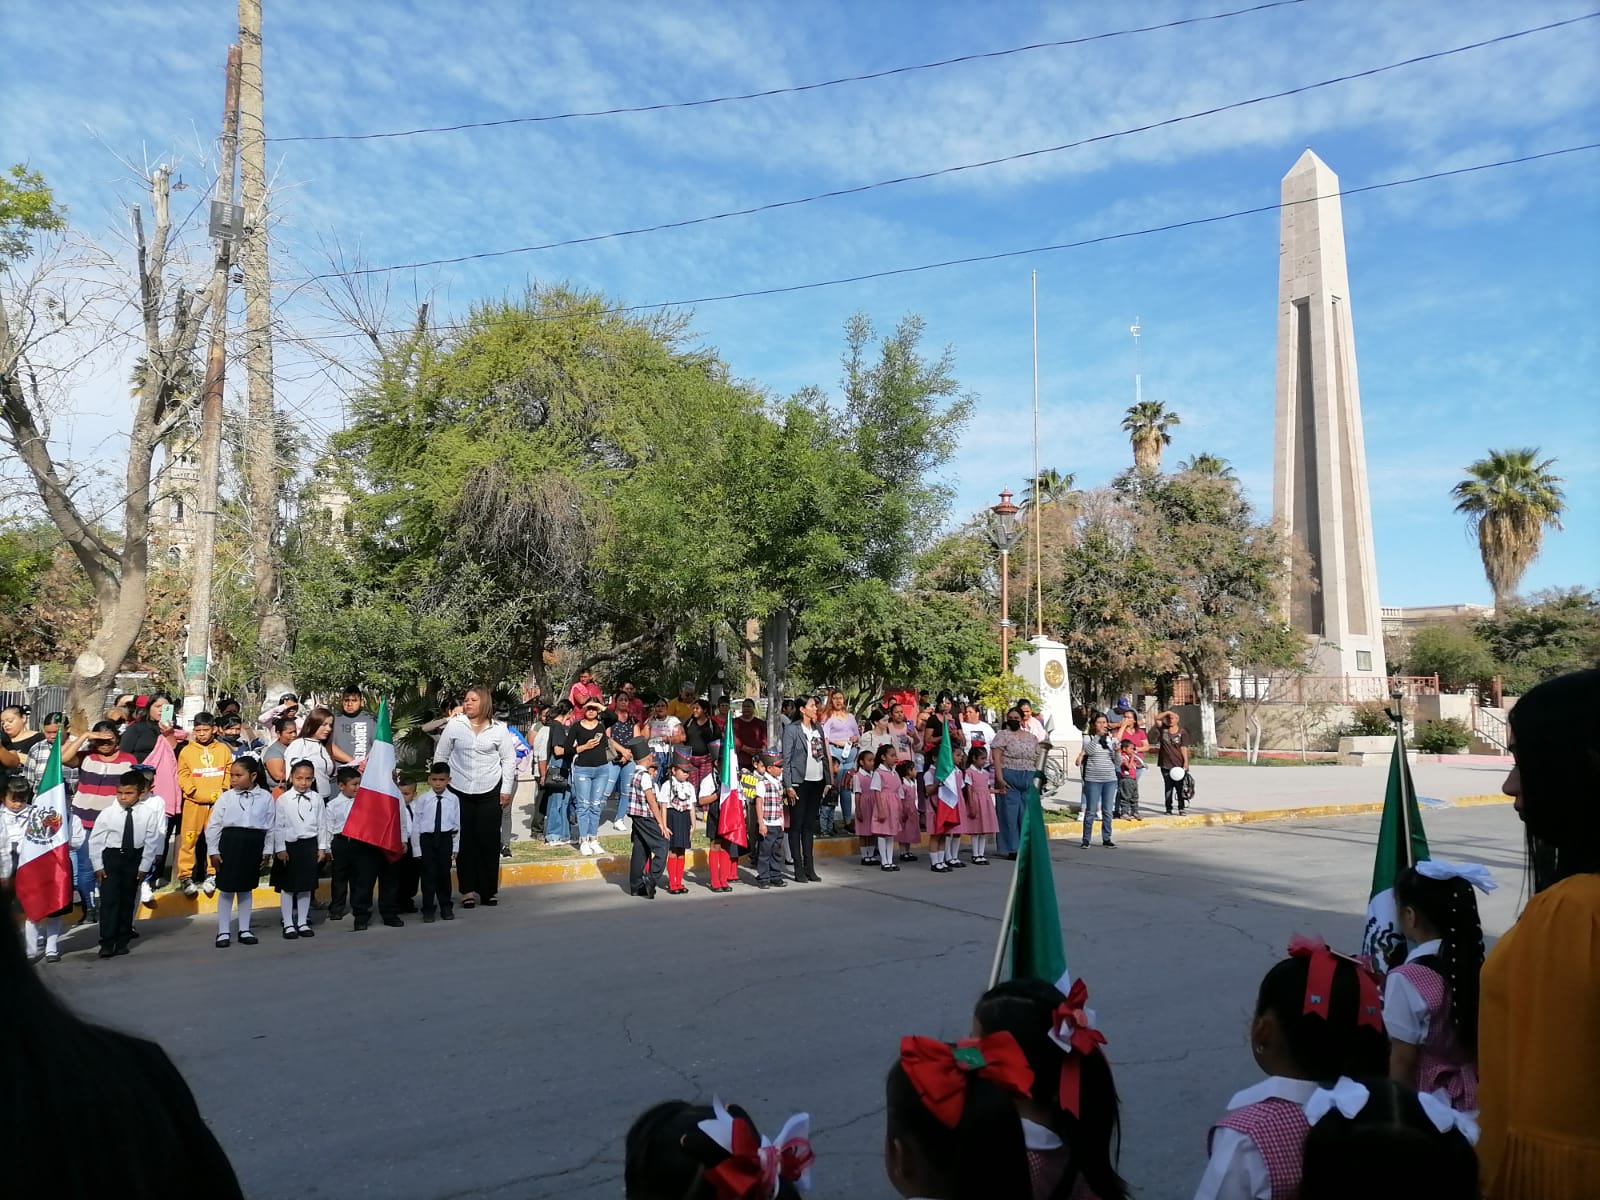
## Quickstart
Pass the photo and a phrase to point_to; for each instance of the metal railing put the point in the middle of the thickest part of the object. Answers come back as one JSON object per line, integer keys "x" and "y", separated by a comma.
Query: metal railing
{"x": 1490, "y": 725}
{"x": 1311, "y": 689}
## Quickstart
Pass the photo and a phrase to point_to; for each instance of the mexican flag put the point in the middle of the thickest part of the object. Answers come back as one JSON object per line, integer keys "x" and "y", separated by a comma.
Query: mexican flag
{"x": 948, "y": 815}
{"x": 731, "y": 825}
{"x": 44, "y": 865}
{"x": 1383, "y": 945}
{"x": 1033, "y": 927}
{"x": 375, "y": 812}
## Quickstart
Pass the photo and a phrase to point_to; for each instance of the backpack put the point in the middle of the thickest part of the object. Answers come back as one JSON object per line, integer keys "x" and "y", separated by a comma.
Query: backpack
{"x": 1186, "y": 788}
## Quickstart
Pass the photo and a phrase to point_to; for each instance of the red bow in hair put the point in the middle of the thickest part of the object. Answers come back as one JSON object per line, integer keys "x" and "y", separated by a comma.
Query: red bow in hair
{"x": 939, "y": 1070}
{"x": 1319, "y": 981}
{"x": 1072, "y": 1029}
{"x": 755, "y": 1166}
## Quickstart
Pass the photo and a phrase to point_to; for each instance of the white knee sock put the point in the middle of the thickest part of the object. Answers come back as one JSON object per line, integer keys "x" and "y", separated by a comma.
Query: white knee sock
{"x": 52, "y": 935}
{"x": 30, "y": 938}
{"x": 936, "y": 850}
{"x": 952, "y": 848}
{"x": 886, "y": 849}
{"x": 303, "y": 906}
{"x": 246, "y": 899}
{"x": 979, "y": 841}
{"x": 225, "y": 913}
{"x": 286, "y": 904}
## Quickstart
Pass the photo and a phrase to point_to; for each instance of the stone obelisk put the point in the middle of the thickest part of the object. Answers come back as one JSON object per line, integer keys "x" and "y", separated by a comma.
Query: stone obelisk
{"x": 1320, "y": 461}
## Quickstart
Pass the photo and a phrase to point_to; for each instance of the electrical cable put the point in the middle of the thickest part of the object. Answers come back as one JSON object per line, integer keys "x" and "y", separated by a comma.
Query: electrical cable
{"x": 790, "y": 90}
{"x": 924, "y": 175}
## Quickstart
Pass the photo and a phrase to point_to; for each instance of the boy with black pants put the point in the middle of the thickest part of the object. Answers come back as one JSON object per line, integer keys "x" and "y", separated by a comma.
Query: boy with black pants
{"x": 408, "y": 871}
{"x": 122, "y": 847}
{"x": 374, "y": 866}
{"x": 769, "y": 817}
{"x": 648, "y": 866}
{"x": 435, "y": 839}
{"x": 343, "y": 872}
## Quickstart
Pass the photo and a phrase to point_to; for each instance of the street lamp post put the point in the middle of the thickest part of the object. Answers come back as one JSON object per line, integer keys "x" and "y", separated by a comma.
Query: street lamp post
{"x": 1005, "y": 534}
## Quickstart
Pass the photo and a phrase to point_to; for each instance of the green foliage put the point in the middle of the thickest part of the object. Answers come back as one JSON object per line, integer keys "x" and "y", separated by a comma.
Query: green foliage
{"x": 868, "y": 638}
{"x": 1509, "y": 498}
{"x": 27, "y": 206}
{"x": 1367, "y": 720}
{"x": 1453, "y": 652}
{"x": 1442, "y": 736}
{"x": 1558, "y": 632}
{"x": 997, "y": 693}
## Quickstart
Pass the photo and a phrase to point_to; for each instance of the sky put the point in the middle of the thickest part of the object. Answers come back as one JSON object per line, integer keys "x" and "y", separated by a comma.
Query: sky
{"x": 1472, "y": 296}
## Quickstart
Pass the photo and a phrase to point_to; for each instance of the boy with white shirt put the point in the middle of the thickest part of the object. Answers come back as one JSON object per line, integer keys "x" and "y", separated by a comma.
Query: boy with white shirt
{"x": 343, "y": 872}
{"x": 122, "y": 847}
{"x": 435, "y": 839}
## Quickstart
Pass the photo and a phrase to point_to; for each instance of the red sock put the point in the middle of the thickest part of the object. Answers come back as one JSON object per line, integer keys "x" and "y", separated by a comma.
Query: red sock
{"x": 715, "y": 857}
{"x": 675, "y": 871}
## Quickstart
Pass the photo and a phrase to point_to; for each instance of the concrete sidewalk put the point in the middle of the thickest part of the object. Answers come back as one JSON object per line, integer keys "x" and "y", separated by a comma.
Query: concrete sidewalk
{"x": 1224, "y": 795}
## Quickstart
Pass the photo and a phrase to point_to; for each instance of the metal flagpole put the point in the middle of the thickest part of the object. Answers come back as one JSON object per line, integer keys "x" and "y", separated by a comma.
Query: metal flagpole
{"x": 1008, "y": 914}
{"x": 1038, "y": 540}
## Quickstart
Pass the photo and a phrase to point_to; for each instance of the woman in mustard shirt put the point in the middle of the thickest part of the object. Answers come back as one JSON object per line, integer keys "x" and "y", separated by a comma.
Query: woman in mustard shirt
{"x": 1539, "y": 1019}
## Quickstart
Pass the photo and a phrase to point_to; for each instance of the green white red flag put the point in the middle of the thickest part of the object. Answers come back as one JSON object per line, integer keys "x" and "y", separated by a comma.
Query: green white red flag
{"x": 1401, "y": 844}
{"x": 375, "y": 812}
{"x": 1033, "y": 925}
{"x": 44, "y": 863}
{"x": 948, "y": 813}
{"x": 731, "y": 825}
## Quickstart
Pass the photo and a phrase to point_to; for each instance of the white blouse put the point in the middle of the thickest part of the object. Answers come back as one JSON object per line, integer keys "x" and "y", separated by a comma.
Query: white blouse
{"x": 301, "y": 815}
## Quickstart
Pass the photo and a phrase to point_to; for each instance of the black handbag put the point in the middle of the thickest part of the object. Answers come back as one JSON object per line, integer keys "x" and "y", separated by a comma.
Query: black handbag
{"x": 1186, "y": 788}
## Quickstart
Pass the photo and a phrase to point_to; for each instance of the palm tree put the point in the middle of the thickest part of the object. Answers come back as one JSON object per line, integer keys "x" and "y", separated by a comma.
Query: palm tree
{"x": 1052, "y": 485}
{"x": 1147, "y": 423}
{"x": 1209, "y": 466}
{"x": 1509, "y": 498}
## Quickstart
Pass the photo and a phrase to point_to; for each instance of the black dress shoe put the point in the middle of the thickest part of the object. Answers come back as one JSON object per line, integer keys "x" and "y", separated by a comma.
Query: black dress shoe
{"x": 780, "y": 881}
{"x": 489, "y": 902}
{"x": 108, "y": 951}
{"x": 393, "y": 922}
{"x": 410, "y": 907}
{"x": 359, "y": 926}
{"x": 813, "y": 877}
{"x": 762, "y": 884}
{"x": 1109, "y": 845}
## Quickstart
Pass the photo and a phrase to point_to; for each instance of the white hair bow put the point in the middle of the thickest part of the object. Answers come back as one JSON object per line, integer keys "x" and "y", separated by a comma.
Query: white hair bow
{"x": 1445, "y": 1118}
{"x": 754, "y": 1168}
{"x": 1348, "y": 1096}
{"x": 1474, "y": 873}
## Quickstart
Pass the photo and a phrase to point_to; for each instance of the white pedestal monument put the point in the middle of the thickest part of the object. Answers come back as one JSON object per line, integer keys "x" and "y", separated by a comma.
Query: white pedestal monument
{"x": 1044, "y": 666}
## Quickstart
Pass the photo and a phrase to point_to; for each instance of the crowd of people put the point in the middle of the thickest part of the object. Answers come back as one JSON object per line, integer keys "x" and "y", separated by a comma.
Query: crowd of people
{"x": 1452, "y": 1076}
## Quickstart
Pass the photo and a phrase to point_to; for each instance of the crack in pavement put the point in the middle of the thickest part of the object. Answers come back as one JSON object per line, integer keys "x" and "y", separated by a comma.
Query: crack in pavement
{"x": 1272, "y": 947}
{"x": 535, "y": 1177}
{"x": 651, "y": 1056}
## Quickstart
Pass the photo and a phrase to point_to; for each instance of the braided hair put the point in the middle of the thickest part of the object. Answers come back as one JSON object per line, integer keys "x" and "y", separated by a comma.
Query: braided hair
{"x": 666, "y": 1154}
{"x": 1451, "y": 909}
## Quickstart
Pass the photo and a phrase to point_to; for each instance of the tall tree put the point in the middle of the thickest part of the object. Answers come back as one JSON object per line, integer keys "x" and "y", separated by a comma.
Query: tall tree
{"x": 1509, "y": 499}
{"x": 27, "y": 207}
{"x": 1052, "y": 487}
{"x": 1209, "y": 466}
{"x": 1148, "y": 424}
{"x": 116, "y": 564}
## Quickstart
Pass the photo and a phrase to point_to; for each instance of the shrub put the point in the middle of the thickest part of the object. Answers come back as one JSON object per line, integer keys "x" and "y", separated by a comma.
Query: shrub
{"x": 1368, "y": 720}
{"x": 1443, "y": 736}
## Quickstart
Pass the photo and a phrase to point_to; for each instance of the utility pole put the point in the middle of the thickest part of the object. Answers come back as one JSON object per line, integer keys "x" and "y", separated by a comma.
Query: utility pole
{"x": 197, "y": 647}
{"x": 260, "y": 438}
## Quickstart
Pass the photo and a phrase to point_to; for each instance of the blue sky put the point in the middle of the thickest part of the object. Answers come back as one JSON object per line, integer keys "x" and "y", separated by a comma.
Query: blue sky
{"x": 1473, "y": 298}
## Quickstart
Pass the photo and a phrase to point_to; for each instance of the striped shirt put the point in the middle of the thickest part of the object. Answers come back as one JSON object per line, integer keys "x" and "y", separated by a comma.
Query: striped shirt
{"x": 97, "y": 782}
{"x": 641, "y": 787}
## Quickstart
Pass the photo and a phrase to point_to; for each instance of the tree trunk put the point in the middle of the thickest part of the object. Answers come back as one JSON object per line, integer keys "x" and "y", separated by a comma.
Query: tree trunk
{"x": 1208, "y": 721}
{"x": 775, "y": 660}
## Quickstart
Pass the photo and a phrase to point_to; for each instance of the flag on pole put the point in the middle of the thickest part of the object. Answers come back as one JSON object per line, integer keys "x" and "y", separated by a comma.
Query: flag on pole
{"x": 947, "y": 815}
{"x": 375, "y": 812}
{"x": 1033, "y": 919}
{"x": 1401, "y": 844}
{"x": 44, "y": 862}
{"x": 731, "y": 825}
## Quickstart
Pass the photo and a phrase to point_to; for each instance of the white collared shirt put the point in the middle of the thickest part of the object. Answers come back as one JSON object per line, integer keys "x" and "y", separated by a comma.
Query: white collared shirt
{"x": 479, "y": 762}
{"x": 1405, "y": 1015}
{"x": 1039, "y": 1137}
{"x": 149, "y": 832}
{"x": 301, "y": 815}
{"x": 1236, "y": 1170}
{"x": 428, "y": 805}
{"x": 254, "y": 809}
{"x": 338, "y": 812}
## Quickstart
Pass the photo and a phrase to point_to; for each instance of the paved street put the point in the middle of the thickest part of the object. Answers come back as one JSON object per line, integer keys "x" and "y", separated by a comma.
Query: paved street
{"x": 505, "y": 1054}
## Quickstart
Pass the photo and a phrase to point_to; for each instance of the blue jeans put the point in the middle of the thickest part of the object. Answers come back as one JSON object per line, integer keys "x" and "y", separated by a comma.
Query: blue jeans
{"x": 624, "y": 784}
{"x": 1009, "y": 809}
{"x": 589, "y": 788}
{"x": 841, "y": 797}
{"x": 1101, "y": 796}
{"x": 83, "y": 873}
{"x": 557, "y": 825}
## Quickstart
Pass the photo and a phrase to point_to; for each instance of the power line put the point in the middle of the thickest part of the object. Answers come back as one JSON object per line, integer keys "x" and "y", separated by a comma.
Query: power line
{"x": 1192, "y": 222}
{"x": 792, "y": 90}
{"x": 972, "y": 166}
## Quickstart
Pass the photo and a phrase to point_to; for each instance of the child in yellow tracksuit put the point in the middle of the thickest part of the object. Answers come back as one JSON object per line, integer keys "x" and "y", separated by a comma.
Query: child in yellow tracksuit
{"x": 203, "y": 764}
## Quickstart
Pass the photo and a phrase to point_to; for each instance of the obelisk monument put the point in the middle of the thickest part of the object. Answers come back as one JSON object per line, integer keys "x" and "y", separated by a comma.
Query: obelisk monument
{"x": 1320, "y": 461}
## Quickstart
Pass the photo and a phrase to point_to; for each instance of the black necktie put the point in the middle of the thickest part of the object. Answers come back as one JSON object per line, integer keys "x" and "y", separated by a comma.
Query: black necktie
{"x": 127, "y": 834}
{"x": 438, "y": 812}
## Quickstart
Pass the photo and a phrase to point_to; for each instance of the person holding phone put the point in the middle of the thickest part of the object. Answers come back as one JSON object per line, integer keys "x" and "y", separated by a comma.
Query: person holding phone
{"x": 151, "y": 720}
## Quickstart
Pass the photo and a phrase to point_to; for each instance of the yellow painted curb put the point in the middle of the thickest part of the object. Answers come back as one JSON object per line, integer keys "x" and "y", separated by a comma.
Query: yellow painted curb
{"x": 615, "y": 866}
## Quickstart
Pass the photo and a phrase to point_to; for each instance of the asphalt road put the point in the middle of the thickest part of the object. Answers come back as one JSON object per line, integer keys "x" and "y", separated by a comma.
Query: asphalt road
{"x": 504, "y": 1055}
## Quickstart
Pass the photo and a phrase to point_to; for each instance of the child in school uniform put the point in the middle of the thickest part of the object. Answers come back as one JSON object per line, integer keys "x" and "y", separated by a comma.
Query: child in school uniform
{"x": 677, "y": 798}
{"x": 237, "y": 833}
{"x": 17, "y": 816}
{"x": 299, "y": 845}
{"x": 859, "y": 781}
{"x": 769, "y": 818}
{"x": 122, "y": 848}
{"x": 1319, "y": 1016}
{"x": 1430, "y": 1002}
{"x": 375, "y": 869}
{"x": 886, "y": 806}
{"x": 908, "y": 831}
{"x": 647, "y": 867}
{"x": 343, "y": 872}
{"x": 1378, "y": 1138}
{"x": 981, "y": 822}
{"x": 408, "y": 871}
{"x": 435, "y": 840}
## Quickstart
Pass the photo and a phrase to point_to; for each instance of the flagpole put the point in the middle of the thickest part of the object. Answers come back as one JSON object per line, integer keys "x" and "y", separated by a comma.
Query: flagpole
{"x": 1407, "y": 789}
{"x": 1038, "y": 541}
{"x": 1008, "y": 914}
